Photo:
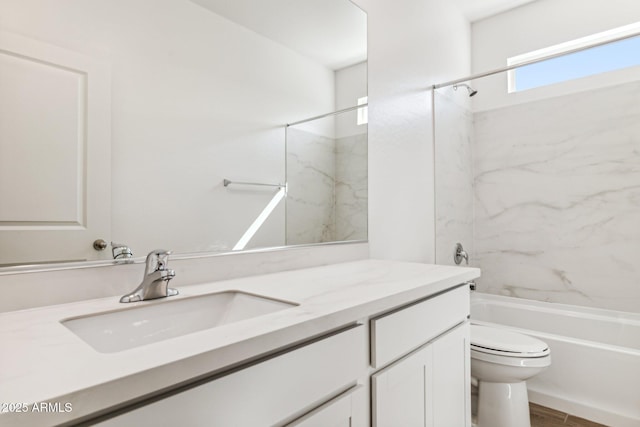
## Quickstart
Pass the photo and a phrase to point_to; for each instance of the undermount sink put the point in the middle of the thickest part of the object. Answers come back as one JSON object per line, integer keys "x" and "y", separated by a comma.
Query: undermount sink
{"x": 155, "y": 321}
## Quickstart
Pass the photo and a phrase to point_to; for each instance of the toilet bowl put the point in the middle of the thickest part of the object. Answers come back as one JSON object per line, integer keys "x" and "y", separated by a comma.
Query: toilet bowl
{"x": 502, "y": 361}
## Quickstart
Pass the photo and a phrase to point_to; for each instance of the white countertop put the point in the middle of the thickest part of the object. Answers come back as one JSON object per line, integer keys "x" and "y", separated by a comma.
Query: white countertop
{"x": 42, "y": 361}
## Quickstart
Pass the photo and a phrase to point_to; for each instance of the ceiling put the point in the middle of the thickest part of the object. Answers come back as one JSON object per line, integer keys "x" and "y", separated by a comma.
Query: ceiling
{"x": 331, "y": 32}
{"x": 475, "y": 10}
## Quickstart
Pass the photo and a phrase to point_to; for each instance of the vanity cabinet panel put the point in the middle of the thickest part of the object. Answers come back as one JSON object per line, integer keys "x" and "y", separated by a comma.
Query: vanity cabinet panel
{"x": 339, "y": 412}
{"x": 451, "y": 379}
{"x": 399, "y": 392}
{"x": 427, "y": 388}
{"x": 406, "y": 329}
{"x": 269, "y": 393}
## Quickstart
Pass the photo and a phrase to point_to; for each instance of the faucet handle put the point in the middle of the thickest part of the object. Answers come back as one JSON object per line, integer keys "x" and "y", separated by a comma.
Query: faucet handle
{"x": 157, "y": 260}
{"x": 459, "y": 254}
{"x": 121, "y": 251}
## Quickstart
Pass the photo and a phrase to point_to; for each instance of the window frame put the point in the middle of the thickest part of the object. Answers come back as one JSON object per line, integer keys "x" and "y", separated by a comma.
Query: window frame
{"x": 566, "y": 48}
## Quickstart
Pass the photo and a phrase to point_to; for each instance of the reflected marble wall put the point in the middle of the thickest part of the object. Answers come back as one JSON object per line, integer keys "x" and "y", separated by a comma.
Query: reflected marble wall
{"x": 351, "y": 188}
{"x": 454, "y": 176}
{"x": 557, "y": 199}
{"x": 327, "y": 195}
{"x": 311, "y": 169}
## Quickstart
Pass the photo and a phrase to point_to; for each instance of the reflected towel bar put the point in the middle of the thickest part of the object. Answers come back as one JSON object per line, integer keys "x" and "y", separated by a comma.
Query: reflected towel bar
{"x": 227, "y": 182}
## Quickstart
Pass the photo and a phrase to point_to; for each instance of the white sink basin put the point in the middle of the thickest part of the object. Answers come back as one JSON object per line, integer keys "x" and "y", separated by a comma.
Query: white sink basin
{"x": 159, "y": 320}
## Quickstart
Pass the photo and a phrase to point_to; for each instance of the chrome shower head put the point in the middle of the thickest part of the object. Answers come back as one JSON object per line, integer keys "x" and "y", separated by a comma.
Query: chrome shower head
{"x": 469, "y": 88}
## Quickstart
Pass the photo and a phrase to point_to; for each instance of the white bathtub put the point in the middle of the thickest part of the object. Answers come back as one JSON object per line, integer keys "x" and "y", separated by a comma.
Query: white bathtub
{"x": 595, "y": 355}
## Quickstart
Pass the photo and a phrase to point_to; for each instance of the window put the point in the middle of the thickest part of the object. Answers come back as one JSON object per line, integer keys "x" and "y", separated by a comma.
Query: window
{"x": 610, "y": 53}
{"x": 363, "y": 113}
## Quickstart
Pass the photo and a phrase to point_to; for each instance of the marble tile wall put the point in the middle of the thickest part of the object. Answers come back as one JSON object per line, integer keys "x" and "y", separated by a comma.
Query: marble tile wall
{"x": 327, "y": 195}
{"x": 311, "y": 167}
{"x": 351, "y": 188}
{"x": 454, "y": 176}
{"x": 557, "y": 199}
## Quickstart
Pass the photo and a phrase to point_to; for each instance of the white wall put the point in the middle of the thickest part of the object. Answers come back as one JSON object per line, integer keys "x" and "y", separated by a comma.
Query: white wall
{"x": 412, "y": 45}
{"x": 454, "y": 174}
{"x": 544, "y": 23}
{"x": 537, "y": 25}
{"x": 351, "y": 84}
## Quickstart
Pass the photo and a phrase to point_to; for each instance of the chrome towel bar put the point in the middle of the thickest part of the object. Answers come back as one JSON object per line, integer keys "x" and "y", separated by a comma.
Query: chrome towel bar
{"x": 227, "y": 183}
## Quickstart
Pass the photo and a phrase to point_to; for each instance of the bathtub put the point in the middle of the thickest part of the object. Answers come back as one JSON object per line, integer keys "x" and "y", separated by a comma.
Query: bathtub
{"x": 595, "y": 355}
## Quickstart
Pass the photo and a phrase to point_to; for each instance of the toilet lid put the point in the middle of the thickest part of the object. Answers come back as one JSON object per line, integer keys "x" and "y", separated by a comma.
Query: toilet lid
{"x": 500, "y": 341}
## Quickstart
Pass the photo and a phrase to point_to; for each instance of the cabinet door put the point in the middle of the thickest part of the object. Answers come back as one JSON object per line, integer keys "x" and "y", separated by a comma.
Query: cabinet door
{"x": 428, "y": 388}
{"x": 400, "y": 395}
{"x": 338, "y": 412}
{"x": 450, "y": 379}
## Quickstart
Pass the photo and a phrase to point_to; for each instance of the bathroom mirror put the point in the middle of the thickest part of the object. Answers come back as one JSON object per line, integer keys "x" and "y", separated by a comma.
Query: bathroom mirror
{"x": 164, "y": 124}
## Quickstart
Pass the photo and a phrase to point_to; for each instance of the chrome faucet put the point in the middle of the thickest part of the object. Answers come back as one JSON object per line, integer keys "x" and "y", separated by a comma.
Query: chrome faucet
{"x": 155, "y": 283}
{"x": 121, "y": 251}
{"x": 460, "y": 254}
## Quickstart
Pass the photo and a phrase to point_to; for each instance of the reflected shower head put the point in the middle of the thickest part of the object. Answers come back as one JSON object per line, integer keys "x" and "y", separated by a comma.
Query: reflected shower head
{"x": 469, "y": 88}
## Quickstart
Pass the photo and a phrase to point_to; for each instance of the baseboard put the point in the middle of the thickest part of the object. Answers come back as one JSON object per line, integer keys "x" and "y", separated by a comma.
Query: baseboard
{"x": 597, "y": 415}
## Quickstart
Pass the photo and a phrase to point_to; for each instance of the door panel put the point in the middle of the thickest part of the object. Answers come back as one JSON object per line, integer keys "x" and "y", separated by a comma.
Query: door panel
{"x": 55, "y": 155}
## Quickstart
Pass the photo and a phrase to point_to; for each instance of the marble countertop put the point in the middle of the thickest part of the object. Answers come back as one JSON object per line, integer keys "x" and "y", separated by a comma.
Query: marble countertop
{"x": 42, "y": 361}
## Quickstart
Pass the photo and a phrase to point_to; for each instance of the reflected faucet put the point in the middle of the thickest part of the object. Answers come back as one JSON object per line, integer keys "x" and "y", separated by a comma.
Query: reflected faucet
{"x": 155, "y": 283}
{"x": 121, "y": 251}
{"x": 460, "y": 254}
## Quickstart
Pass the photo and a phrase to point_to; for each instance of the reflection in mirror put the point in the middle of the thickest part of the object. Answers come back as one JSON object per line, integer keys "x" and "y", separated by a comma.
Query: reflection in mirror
{"x": 122, "y": 119}
{"x": 327, "y": 179}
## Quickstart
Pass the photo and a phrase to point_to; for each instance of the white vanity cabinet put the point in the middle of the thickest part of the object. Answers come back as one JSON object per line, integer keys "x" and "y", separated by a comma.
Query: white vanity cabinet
{"x": 368, "y": 343}
{"x": 427, "y": 385}
{"x": 346, "y": 410}
{"x": 313, "y": 385}
{"x": 418, "y": 371}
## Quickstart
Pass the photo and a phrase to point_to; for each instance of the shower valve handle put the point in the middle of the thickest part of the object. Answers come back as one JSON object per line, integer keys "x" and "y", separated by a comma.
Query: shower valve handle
{"x": 459, "y": 254}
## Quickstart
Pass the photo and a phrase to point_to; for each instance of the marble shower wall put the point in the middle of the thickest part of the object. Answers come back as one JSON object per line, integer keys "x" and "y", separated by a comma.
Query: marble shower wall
{"x": 327, "y": 194}
{"x": 557, "y": 199}
{"x": 311, "y": 169}
{"x": 351, "y": 189}
{"x": 454, "y": 175}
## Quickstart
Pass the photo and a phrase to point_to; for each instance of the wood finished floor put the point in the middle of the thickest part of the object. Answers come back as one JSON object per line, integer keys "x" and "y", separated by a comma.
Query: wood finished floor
{"x": 545, "y": 417}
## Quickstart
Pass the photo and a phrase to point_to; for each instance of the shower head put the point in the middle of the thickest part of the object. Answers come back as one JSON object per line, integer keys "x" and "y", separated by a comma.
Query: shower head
{"x": 469, "y": 88}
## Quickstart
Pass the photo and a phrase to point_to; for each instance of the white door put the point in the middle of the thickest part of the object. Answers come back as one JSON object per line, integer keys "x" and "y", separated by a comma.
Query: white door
{"x": 55, "y": 155}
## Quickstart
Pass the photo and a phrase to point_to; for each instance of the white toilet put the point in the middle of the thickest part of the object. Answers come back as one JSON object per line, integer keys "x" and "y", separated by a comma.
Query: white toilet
{"x": 502, "y": 361}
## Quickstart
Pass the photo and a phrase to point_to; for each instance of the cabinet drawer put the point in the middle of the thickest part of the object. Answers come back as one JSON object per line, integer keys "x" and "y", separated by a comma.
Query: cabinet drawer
{"x": 401, "y": 331}
{"x": 266, "y": 394}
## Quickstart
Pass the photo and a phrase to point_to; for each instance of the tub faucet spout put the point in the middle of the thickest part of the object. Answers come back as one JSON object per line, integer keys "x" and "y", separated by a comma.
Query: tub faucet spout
{"x": 155, "y": 283}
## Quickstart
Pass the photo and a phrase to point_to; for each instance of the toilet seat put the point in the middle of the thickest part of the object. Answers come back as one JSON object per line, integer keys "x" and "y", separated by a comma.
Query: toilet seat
{"x": 500, "y": 342}
{"x": 519, "y": 362}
